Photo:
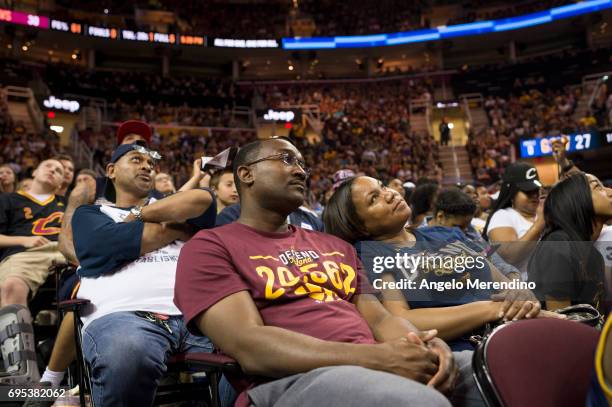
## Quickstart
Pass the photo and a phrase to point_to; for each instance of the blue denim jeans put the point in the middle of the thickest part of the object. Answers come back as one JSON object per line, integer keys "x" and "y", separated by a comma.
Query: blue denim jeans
{"x": 128, "y": 354}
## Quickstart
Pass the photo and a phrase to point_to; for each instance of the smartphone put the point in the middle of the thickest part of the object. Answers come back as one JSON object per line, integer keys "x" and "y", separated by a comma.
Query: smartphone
{"x": 220, "y": 161}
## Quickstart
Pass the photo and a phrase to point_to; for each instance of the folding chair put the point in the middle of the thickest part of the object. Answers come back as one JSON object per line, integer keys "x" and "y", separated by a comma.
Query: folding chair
{"x": 539, "y": 362}
{"x": 214, "y": 365}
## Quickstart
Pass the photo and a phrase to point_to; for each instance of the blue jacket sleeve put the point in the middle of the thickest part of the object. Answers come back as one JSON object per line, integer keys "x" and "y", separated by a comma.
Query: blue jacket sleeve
{"x": 102, "y": 245}
{"x": 207, "y": 219}
{"x": 305, "y": 219}
{"x": 228, "y": 215}
{"x": 318, "y": 224}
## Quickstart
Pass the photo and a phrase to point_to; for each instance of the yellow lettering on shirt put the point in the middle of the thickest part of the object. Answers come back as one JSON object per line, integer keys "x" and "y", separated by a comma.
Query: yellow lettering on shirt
{"x": 312, "y": 282}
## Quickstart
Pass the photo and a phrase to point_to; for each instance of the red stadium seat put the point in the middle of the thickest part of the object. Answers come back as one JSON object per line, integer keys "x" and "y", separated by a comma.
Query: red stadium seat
{"x": 541, "y": 362}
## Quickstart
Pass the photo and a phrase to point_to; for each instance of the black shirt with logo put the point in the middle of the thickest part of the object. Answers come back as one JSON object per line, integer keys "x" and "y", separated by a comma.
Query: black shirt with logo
{"x": 21, "y": 214}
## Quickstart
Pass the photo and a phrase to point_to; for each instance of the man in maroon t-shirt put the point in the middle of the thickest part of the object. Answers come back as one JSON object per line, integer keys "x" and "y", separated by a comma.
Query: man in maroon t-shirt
{"x": 292, "y": 307}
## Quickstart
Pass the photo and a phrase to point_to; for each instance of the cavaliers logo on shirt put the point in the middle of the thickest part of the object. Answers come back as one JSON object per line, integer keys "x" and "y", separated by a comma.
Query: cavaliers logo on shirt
{"x": 24, "y": 215}
{"x": 321, "y": 276}
{"x": 45, "y": 226}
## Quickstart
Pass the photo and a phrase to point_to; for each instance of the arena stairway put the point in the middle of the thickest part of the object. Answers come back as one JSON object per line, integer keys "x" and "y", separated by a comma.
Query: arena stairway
{"x": 455, "y": 165}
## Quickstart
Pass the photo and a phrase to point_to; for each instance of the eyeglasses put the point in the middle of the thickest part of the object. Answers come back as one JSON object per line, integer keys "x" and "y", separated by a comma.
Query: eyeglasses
{"x": 142, "y": 150}
{"x": 287, "y": 159}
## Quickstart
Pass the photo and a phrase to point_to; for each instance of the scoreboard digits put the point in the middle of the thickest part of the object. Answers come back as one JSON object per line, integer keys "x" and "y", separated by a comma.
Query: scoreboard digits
{"x": 541, "y": 147}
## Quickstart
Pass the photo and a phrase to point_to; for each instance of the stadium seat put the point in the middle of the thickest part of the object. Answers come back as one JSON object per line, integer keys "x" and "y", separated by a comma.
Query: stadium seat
{"x": 541, "y": 362}
{"x": 211, "y": 364}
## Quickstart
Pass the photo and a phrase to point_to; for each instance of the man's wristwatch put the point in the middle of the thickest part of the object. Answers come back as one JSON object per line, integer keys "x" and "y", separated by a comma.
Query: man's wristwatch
{"x": 137, "y": 213}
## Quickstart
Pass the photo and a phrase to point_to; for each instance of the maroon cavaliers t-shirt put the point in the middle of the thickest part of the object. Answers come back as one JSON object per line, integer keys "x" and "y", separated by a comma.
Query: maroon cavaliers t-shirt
{"x": 300, "y": 280}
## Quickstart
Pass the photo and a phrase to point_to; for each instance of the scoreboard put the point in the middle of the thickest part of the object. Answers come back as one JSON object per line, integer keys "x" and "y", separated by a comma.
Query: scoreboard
{"x": 542, "y": 147}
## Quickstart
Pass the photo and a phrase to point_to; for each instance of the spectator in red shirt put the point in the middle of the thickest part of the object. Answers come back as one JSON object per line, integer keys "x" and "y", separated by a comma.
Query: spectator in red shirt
{"x": 293, "y": 307}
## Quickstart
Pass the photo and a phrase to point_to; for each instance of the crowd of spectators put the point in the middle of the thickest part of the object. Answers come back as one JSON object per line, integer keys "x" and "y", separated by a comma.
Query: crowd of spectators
{"x": 164, "y": 113}
{"x": 352, "y": 115}
{"x": 370, "y": 17}
{"x": 271, "y": 19}
{"x": 21, "y": 150}
{"x": 530, "y": 113}
{"x": 524, "y": 100}
{"x": 234, "y": 20}
{"x": 479, "y": 10}
{"x": 179, "y": 148}
{"x": 25, "y": 151}
{"x": 366, "y": 128}
{"x": 6, "y": 122}
{"x": 132, "y": 86}
{"x": 176, "y": 100}
{"x": 601, "y": 107}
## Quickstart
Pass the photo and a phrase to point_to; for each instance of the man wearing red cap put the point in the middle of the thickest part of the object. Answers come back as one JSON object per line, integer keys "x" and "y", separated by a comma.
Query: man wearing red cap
{"x": 133, "y": 131}
{"x": 129, "y": 132}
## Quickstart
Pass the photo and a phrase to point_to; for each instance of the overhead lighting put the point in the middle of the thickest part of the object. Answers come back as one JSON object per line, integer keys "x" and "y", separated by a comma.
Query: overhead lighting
{"x": 451, "y": 126}
{"x": 74, "y": 56}
{"x": 290, "y": 67}
{"x": 57, "y": 129}
{"x": 24, "y": 47}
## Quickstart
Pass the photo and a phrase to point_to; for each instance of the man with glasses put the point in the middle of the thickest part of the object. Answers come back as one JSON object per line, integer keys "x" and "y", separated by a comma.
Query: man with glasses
{"x": 301, "y": 217}
{"x": 127, "y": 255}
{"x": 293, "y": 308}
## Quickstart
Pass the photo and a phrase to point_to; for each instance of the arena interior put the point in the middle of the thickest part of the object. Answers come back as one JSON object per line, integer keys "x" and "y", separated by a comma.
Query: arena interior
{"x": 306, "y": 203}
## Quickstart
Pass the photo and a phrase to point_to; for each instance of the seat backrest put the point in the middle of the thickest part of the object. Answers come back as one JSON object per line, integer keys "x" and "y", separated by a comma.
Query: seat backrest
{"x": 540, "y": 362}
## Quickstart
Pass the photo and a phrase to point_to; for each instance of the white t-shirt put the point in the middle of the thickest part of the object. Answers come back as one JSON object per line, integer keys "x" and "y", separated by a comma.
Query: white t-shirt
{"x": 478, "y": 224}
{"x": 604, "y": 245}
{"x": 41, "y": 197}
{"x": 510, "y": 218}
{"x": 146, "y": 284}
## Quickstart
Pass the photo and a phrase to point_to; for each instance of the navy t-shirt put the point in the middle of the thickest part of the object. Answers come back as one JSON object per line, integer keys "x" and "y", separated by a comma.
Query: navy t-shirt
{"x": 299, "y": 217}
{"x": 103, "y": 245}
{"x": 439, "y": 256}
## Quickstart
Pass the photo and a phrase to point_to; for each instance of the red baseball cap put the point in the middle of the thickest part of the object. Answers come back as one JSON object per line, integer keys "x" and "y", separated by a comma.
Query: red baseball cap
{"x": 134, "y": 127}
